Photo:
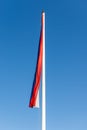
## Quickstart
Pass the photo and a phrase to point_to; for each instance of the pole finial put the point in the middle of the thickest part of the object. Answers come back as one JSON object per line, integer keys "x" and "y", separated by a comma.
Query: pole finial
{"x": 43, "y": 11}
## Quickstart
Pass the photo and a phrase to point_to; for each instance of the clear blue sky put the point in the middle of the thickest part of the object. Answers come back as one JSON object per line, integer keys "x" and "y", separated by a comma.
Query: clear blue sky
{"x": 66, "y": 63}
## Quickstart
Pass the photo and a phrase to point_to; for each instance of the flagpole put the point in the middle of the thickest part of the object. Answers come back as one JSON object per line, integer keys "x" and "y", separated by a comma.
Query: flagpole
{"x": 43, "y": 76}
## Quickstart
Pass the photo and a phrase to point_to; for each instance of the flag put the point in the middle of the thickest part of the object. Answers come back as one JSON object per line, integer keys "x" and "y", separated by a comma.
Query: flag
{"x": 40, "y": 70}
{"x": 34, "y": 99}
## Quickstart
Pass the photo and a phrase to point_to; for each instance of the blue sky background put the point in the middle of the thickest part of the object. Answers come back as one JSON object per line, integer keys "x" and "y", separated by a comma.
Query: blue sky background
{"x": 66, "y": 63}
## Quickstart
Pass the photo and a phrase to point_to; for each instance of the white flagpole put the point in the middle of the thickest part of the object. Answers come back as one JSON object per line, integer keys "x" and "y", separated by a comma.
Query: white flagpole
{"x": 43, "y": 77}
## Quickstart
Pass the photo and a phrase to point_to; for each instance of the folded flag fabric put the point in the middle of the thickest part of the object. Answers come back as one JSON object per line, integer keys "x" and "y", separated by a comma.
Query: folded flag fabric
{"x": 34, "y": 99}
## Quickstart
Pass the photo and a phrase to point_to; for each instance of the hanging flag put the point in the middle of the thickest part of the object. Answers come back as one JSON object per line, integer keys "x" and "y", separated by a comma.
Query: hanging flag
{"x": 34, "y": 99}
{"x": 40, "y": 70}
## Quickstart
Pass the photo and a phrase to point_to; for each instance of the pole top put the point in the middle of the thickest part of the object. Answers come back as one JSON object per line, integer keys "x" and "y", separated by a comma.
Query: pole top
{"x": 43, "y": 12}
